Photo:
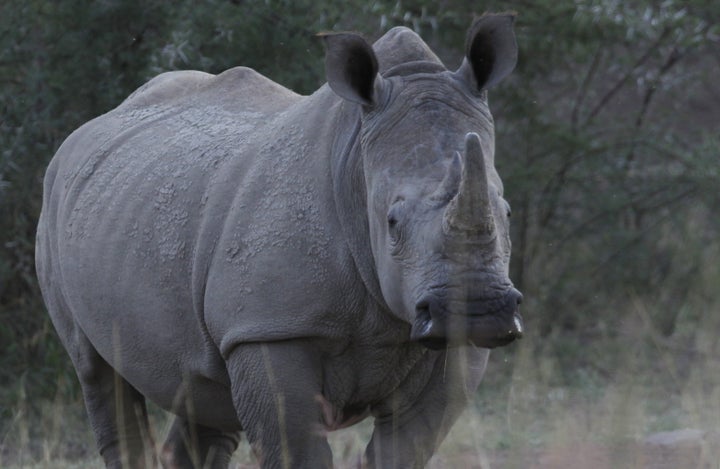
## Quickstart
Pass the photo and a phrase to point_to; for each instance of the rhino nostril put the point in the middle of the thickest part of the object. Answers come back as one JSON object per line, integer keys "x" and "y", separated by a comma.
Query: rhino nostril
{"x": 518, "y": 296}
{"x": 422, "y": 309}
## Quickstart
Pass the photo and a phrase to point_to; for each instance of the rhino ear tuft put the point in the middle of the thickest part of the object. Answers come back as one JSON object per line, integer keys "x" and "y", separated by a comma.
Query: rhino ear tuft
{"x": 490, "y": 50}
{"x": 351, "y": 67}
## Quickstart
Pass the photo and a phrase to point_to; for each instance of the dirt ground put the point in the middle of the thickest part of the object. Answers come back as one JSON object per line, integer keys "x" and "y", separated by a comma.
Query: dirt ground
{"x": 578, "y": 456}
{"x": 468, "y": 447}
{"x": 681, "y": 453}
{"x": 682, "y": 449}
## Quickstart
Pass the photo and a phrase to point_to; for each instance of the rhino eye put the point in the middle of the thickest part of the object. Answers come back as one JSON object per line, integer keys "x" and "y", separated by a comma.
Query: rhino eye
{"x": 393, "y": 221}
{"x": 393, "y": 215}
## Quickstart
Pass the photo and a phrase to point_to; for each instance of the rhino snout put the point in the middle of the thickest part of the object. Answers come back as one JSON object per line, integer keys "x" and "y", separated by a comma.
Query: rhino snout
{"x": 484, "y": 322}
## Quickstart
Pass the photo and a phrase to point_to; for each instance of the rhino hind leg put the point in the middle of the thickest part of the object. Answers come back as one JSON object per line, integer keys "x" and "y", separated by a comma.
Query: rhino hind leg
{"x": 116, "y": 410}
{"x": 117, "y": 413}
{"x": 191, "y": 445}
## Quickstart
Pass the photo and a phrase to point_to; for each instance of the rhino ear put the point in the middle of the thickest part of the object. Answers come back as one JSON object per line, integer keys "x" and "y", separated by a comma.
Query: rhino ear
{"x": 351, "y": 68}
{"x": 490, "y": 50}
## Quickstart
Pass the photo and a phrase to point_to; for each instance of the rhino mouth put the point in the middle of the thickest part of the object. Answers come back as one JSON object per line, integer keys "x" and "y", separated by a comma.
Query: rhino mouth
{"x": 436, "y": 326}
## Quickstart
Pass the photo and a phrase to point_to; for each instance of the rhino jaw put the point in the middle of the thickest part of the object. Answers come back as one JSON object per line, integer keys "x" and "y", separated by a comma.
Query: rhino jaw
{"x": 486, "y": 330}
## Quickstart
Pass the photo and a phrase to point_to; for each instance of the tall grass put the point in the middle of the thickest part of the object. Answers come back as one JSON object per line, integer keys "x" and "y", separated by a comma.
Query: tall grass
{"x": 531, "y": 411}
{"x": 591, "y": 416}
{"x": 48, "y": 434}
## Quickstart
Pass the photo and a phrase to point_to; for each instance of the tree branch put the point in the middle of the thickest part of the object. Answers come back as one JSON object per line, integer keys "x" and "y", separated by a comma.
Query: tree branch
{"x": 582, "y": 92}
{"x": 673, "y": 58}
{"x": 606, "y": 98}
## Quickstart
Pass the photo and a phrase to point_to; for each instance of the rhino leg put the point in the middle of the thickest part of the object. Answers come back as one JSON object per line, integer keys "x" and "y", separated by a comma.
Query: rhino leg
{"x": 275, "y": 389}
{"x": 117, "y": 414}
{"x": 190, "y": 445}
{"x": 407, "y": 432}
{"x": 116, "y": 411}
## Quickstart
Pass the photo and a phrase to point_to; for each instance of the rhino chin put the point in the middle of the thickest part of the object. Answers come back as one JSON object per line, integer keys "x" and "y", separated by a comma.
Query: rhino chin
{"x": 487, "y": 331}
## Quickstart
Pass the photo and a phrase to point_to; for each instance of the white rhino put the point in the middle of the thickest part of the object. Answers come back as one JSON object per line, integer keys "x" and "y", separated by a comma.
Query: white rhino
{"x": 254, "y": 260}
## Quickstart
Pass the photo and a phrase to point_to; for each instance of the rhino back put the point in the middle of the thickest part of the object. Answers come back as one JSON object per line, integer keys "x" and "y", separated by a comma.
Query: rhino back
{"x": 174, "y": 216}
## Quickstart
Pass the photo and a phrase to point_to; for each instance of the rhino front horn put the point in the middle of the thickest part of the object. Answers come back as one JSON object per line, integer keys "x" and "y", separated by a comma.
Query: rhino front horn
{"x": 470, "y": 209}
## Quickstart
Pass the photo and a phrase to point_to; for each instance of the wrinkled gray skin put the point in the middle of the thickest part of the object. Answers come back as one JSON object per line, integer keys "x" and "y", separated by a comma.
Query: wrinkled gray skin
{"x": 249, "y": 258}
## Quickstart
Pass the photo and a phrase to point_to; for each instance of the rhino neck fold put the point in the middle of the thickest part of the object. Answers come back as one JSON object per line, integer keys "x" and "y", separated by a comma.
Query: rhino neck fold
{"x": 350, "y": 196}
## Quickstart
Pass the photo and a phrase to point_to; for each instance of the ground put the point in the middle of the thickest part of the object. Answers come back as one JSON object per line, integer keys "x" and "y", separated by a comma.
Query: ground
{"x": 465, "y": 448}
{"x": 616, "y": 404}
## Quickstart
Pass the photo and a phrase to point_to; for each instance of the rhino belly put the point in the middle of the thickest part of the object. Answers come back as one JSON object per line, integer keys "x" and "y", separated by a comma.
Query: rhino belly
{"x": 146, "y": 327}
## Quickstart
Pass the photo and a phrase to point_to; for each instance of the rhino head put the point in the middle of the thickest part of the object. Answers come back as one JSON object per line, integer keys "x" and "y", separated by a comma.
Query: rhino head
{"x": 438, "y": 223}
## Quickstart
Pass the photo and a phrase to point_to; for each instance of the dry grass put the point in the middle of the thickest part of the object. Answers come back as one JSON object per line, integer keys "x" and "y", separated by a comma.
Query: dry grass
{"x": 530, "y": 412}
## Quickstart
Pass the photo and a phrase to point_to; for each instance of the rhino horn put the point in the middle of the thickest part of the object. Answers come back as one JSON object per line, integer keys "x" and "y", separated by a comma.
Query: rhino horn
{"x": 470, "y": 209}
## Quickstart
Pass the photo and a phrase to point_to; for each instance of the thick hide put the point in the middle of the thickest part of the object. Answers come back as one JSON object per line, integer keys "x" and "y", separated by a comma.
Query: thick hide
{"x": 252, "y": 259}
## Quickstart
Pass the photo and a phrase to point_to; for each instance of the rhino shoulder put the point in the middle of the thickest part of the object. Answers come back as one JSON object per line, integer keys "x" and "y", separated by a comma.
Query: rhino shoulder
{"x": 241, "y": 85}
{"x": 401, "y": 45}
{"x": 254, "y": 91}
{"x": 166, "y": 87}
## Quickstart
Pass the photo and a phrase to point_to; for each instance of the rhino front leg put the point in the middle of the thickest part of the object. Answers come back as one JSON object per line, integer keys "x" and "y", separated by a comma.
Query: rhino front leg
{"x": 191, "y": 446}
{"x": 274, "y": 389}
{"x": 410, "y": 427}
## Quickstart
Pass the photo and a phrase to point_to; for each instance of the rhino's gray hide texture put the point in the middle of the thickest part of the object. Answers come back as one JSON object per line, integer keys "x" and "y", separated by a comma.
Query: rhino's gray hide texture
{"x": 252, "y": 259}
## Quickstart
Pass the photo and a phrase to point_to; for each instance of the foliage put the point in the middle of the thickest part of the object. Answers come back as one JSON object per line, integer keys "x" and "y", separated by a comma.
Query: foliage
{"x": 606, "y": 175}
{"x": 61, "y": 63}
{"x": 606, "y": 140}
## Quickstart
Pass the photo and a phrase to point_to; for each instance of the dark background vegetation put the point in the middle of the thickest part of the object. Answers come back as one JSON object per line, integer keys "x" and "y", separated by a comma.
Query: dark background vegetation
{"x": 607, "y": 142}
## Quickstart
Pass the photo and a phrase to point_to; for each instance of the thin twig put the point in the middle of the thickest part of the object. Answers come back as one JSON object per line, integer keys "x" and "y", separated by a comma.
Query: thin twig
{"x": 673, "y": 58}
{"x": 600, "y": 215}
{"x": 606, "y": 98}
{"x": 642, "y": 233}
{"x": 582, "y": 92}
